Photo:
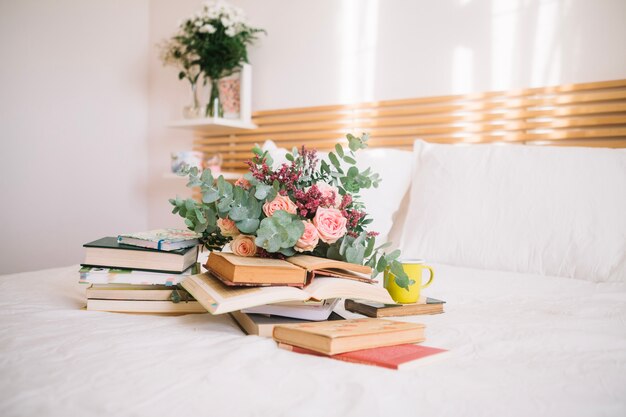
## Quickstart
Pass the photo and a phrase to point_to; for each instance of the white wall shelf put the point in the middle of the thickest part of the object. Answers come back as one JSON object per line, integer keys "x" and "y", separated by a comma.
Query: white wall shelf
{"x": 214, "y": 124}
{"x": 221, "y": 125}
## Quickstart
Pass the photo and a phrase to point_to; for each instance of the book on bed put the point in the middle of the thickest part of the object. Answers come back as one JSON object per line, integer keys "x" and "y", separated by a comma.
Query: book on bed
{"x": 304, "y": 310}
{"x": 397, "y": 357}
{"x": 142, "y": 306}
{"x": 331, "y": 338}
{"x": 295, "y": 271}
{"x": 374, "y": 309}
{"x": 107, "y": 252}
{"x": 122, "y": 276}
{"x": 161, "y": 239}
{"x": 137, "y": 292}
{"x": 219, "y": 298}
{"x": 263, "y": 325}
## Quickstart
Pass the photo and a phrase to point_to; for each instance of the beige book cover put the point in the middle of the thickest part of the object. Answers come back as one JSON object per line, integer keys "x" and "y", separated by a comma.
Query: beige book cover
{"x": 345, "y": 336}
{"x": 296, "y": 270}
{"x": 219, "y": 298}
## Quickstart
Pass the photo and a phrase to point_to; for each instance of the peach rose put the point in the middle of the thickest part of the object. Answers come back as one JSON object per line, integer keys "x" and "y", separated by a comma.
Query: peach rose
{"x": 243, "y": 245}
{"x": 330, "y": 224}
{"x": 281, "y": 202}
{"x": 309, "y": 239}
{"x": 243, "y": 183}
{"x": 227, "y": 227}
{"x": 329, "y": 192}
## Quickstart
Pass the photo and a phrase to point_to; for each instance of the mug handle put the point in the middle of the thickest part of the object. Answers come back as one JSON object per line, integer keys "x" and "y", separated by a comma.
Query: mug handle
{"x": 432, "y": 276}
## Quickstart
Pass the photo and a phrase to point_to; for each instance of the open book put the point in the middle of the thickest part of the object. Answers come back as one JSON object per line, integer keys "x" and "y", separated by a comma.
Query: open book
{"x": 296, "y": 270}
{"x": 218, "y": 298}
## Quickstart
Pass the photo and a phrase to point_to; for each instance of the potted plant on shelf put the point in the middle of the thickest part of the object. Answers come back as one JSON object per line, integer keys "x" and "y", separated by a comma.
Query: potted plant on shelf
{"x": 217, "y": 39}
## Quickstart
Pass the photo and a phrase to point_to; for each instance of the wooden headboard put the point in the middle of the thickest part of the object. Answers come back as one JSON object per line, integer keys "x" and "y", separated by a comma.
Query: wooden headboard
{"x": 590, "y": 114}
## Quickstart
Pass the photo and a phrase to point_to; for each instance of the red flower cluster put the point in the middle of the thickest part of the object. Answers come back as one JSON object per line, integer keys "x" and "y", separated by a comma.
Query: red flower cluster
{"x": 287, "y": 175}
{"x": 308, "y": 201}
{"x": 353, "y": 217}
{"x": 260, "y": 171}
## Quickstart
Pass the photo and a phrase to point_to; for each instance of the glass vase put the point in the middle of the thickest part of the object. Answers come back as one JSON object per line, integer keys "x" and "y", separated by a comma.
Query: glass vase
{"x": 194, "y": 109}
{"x": 214, "y": 106}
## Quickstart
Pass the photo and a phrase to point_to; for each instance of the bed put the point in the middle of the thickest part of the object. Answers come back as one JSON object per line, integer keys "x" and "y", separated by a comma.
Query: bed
{"x": 534, "y": 327}
{"x": 520, "y": 344}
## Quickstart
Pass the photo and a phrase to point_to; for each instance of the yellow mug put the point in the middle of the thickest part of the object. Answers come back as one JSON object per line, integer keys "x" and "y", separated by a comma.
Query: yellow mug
{"x": 413, "y": 269}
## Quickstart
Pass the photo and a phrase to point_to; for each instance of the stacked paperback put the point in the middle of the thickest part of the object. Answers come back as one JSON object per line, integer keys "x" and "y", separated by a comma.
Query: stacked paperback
{"x": 141, "y": 273}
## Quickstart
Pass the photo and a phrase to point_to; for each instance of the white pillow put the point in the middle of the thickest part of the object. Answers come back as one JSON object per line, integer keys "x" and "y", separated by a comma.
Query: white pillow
{"x": 279, "y": 155}
{"x": 548, "y": 210}
{"x": 393, "y": 166}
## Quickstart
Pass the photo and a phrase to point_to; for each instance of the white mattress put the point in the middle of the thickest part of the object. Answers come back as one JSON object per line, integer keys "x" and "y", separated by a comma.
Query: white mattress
{"x": 520, "y": 345}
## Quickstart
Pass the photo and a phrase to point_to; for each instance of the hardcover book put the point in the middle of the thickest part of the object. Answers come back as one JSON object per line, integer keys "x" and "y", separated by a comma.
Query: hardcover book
{"x": 331, "y": 338}
{"x": 131, "y": 306}
{"x": 137, "y": 292}
{"x": 121, "y": 276}
{"x": 296, "y": 270}
{"x": 108, "y": 252}
{"x": 218, "y": 298}
{"x": 263, "y": 325}
{"x": 304, "y": 311}
{"x": 161, "y": 239}
{"x": 373, "y": 309}
{"x": 397, "y": 357}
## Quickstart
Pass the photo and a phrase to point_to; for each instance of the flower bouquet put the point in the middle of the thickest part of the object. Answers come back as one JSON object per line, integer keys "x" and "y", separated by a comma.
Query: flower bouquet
{"x": 303, "y": 206}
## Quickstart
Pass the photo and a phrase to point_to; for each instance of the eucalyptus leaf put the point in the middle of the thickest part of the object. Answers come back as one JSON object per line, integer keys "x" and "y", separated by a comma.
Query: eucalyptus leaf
{"x": 238, "y": 213}
{"x": 248, "y": 226}
{"x": 262, "y": 191}
{"x": 200, "y": 216}
{"x": 210, "y": 196}
{"x": 370, "y": 246}
{"x": 334, "y": 160}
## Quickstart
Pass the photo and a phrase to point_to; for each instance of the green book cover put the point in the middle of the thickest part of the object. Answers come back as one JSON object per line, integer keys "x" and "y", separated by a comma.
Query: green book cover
{"x": 112, "y": 243}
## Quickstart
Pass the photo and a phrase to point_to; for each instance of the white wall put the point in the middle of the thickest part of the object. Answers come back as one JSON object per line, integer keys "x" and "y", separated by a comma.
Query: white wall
{"x": 338, "y": 51}
{"x": 84, "y": 100}
{"x": 73, "y": 117}
{"x": 330, "y": 51}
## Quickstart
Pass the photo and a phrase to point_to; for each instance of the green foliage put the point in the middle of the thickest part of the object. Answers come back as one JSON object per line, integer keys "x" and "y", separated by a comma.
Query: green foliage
{"x": 360, "y": 250}
{"x": 280, "y": 233}
{"x": 348, "y": 178}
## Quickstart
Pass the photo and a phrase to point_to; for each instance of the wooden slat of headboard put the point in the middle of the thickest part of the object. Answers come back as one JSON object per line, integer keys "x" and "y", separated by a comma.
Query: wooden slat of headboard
{"x": 589, "y": 114}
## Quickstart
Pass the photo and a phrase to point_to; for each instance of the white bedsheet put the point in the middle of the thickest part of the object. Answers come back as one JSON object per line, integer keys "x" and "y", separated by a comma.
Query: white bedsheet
{"x": 520, "y": 345}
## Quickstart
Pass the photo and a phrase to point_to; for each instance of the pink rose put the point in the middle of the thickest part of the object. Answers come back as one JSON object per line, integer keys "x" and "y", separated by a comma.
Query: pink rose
{"x": 330, "y": 224}
{"x": 309, "y": 239}
{"x": 227, "y": 227}
{"x": 243, "y": 245}
{"x": 329, "y": 193}
{"x": 243, "y": 183}
{"x": 281, "y": 202}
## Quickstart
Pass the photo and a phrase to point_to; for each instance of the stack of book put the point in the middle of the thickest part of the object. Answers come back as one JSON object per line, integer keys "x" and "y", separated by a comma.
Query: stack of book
{"x": 291, "y": 300}
{"x": 141, "y": 273}
{"x": 260, "y": 293}
{"x": 377, "y": 342}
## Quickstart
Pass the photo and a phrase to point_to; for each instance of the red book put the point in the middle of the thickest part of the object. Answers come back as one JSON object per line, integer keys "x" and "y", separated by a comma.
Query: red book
{"x": 392, "y": 357}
